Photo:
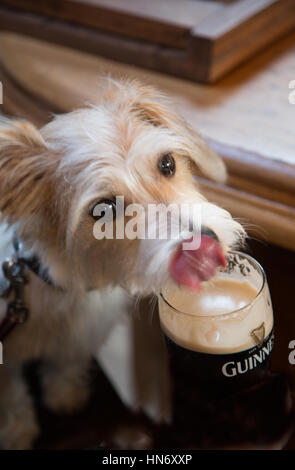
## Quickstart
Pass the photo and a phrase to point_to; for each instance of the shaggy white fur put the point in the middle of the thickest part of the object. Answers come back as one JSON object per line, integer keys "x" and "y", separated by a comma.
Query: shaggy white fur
{"x": 49, "y": 181}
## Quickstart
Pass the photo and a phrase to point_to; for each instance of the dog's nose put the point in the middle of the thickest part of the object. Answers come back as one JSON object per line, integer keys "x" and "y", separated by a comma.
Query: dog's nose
{"x": 209, "y": 232}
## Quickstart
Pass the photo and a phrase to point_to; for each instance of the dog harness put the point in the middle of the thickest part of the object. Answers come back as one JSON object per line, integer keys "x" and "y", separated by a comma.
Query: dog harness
{"x": 12, "y": 288}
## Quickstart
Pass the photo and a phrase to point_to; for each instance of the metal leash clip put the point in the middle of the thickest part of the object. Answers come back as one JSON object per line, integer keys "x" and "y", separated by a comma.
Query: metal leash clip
{"x": 13, "y": 286}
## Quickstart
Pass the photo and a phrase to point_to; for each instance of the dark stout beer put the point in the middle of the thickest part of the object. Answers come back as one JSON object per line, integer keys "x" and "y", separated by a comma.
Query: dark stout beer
{"x": 224, "y": 334}
{"x": 219, "y": 342}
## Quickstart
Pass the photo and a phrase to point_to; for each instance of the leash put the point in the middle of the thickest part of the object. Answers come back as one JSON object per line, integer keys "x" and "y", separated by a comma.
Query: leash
{"x": 13, "y": 290}
{"x": 12, "y": 287}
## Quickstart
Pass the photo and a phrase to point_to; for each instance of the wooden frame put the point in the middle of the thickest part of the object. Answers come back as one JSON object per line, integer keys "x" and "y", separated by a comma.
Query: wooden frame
{"x": 194, "y": 39}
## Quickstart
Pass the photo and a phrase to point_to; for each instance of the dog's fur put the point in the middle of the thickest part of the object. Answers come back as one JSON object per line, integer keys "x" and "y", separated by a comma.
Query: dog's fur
{"x": 49, "y": 181}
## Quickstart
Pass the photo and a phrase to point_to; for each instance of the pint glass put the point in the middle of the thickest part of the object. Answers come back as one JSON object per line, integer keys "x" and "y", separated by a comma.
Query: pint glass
{"x": 220, "y": 338}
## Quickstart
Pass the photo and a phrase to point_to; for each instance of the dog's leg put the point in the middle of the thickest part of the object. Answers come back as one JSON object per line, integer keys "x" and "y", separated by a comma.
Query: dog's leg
{"x": 18, "y": 424}
{"x": 65, "y": 384}
{"x": 152, "y": 381}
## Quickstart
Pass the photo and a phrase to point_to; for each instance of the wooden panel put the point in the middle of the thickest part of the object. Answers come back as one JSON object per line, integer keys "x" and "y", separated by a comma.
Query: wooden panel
{"x": 232, "y": 17}
{"x": 151, "y": 56}
{"x": 19, "y": 104}
{"x": 156, "y": 21}
{"x": 193, "y": 39}
{"x": 254, "y": 169}
{"x": 239, "y": 35}
{"x": 264, "y": 219}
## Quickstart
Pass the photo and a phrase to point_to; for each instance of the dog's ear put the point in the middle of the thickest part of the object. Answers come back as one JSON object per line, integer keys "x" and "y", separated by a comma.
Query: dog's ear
{"x": 210, "y": 164}
{"x": 25, "y": 170}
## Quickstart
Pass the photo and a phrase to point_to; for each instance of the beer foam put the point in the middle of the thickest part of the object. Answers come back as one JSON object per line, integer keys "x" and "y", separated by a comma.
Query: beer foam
{"x": 218, "y": 320}
{"x": 216, "y": 298}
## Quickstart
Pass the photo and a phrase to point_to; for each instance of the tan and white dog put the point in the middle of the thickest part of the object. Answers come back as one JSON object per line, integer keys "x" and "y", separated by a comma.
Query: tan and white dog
{"x": 132, "y": 144}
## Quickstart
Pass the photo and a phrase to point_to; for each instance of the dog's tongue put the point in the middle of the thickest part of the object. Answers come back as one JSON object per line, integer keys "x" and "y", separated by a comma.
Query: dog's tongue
{"x": 191, "y": 267}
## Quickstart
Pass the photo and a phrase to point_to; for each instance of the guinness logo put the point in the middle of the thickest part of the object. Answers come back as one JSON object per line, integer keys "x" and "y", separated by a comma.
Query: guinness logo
{"x": 258, "y": 334}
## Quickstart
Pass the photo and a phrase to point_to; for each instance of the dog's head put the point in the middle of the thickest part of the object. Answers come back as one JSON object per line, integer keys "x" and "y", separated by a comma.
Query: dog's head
{"x": 61, "y": 186}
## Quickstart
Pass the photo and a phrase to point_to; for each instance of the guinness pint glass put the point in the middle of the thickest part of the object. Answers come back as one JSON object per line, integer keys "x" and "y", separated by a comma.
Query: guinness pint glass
{"x": 221, "y": 338}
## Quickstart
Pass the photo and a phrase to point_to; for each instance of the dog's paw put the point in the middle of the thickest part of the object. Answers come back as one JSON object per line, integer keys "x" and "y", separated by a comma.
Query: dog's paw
{"x": 64, "y": 395}
{"x": 18, "y": 429}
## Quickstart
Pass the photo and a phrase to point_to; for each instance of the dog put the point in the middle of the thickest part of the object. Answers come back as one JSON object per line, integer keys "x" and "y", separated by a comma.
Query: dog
{"x": 129, "y": 143}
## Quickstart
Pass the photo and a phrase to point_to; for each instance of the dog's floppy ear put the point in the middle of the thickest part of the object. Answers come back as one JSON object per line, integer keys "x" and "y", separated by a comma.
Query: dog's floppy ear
{"x": 210, "y": 164}
{"x": 25, "y": 172}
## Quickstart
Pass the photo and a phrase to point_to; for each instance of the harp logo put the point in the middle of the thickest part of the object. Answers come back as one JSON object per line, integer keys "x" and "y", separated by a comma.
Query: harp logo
{"x": 292, "y": 92}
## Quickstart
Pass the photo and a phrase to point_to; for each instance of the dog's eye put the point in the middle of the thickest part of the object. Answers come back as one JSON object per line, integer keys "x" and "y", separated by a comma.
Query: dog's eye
{"x": 104, "y": 208}
{"x": 166, "y": 165}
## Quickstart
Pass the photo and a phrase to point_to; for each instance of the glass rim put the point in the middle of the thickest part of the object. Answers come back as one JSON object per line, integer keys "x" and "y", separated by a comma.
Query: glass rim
{"x": 233, "y": 312}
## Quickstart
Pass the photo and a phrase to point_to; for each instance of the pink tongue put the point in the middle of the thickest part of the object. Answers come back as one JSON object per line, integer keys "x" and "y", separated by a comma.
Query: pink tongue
{"x": 191, "y": 267}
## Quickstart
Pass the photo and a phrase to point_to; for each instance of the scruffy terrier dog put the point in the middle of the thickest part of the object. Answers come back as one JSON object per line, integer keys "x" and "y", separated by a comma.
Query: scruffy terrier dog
{"x": 131, "y": 144}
